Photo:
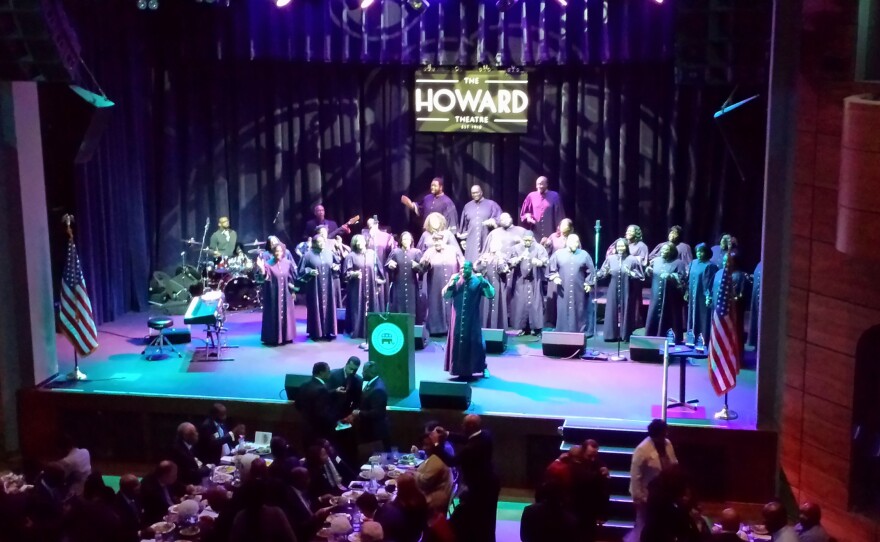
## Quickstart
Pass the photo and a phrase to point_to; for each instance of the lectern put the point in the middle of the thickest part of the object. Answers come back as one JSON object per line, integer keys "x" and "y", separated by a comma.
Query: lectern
{"x": 393, "y": 348}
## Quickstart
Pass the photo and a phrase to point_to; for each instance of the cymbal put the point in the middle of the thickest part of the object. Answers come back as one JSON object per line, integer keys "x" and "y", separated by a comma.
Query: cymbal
{"x": 190, "y": 241}
{"x": 255, "y": 251}
{"x": 255, "y": 244}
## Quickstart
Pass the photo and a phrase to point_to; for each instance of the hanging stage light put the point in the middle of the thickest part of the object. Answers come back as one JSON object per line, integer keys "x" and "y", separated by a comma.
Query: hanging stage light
{"x": 418, "y": 6}
{"x": 142, "y": 4}
{"x": 564, "y": 3}
{"x": 282, "y": 3}
{"x": 358, "y": 4}
{"x": 504, "y": 5}
{"x": 153, "y": 4}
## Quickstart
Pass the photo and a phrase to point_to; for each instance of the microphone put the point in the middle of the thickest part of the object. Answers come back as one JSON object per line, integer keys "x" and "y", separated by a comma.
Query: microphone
{"x": 276, "y": 216}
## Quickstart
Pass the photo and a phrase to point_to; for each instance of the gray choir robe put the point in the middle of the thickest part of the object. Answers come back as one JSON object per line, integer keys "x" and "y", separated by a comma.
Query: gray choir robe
{"x": 699, "y": 315}
{"x": 362, "y": 294}
{"x": 622, "y": 305}
{"x": 575, "y": 310}
{"x": 495, "y": 270}
{"x": 426, "y": 241}
{"x": 223, "y": 243}
{"x": 637, "y": 249}
{"x": 465, "y": 348}
{"x": 557, "y": 242}
{"x": 319, "y": 293}
{"x": 438, "y": 204}
{"x": 685, "y": 254}
{"x": 472, "y": 217}
{"x": 437, "y": 268}
{"x": 406, "y": 296}
{"x": 527, "y": 308}
{"x": 667, "y": 298}
{"x": 509, "y": 237}
{"x": 383, "y": 243}
{"x": 752, "y": 341}
{"x": 546, "y": 209}
{"x": 279, "y": 321}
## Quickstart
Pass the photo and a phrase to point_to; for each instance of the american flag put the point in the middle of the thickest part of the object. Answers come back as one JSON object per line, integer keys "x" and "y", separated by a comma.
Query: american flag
{"x": 726, "y": 348}
{"x": 75, "y": 315}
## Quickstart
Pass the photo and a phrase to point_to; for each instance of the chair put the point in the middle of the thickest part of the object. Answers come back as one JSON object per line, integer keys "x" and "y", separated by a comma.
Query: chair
{"x": 453, "y": 495}
{"x": 159, "y": 323}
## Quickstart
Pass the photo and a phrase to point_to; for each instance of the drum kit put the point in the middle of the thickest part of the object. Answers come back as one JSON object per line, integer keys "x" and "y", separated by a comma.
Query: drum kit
{"x": 232, "y": 275}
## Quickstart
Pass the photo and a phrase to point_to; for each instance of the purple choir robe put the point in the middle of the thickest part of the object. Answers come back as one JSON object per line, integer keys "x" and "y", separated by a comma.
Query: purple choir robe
{"x": 699, "y": 314}
{"x": 575, "y": 310}
{"x": 509, "y": 238}
{"x": 319, "y": 293}
{"x": 437, "y": 268}
{"x": 685, "y": 254}
{"x": 465, "y": 347}
{"x": 362, "y": 294}
{"x": 527, "y": 308}
{"x": 472, "y": 217}
{"x": 622, "y": 305}
{"x": 279, "y": 321}
{"x": 547, "y": 211}
{"x": 383, "y": 243}
{"x": 404, "y": 280}
{"x": 495, "y": 270}
{"x": 667, "y": 298}
{"x": 438, "y": 204}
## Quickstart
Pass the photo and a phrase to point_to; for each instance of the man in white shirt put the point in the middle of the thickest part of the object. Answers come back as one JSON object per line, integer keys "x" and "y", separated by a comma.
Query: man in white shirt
{"x": 77, "y": 465}
{"x": 776, "y": 521}
{"x": 651, "y": 457}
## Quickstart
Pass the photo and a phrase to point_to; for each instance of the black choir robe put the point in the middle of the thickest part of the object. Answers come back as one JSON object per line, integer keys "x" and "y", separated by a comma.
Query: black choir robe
{"x": 575, "y": 310}
{"x": 465, "y": 348}
{"x": 495, "y": 270}
{"x": 752, "y": 341}
{"x": 279, "y": 321}
{"x": 404, "y": 282}
{"x": 362, "y": 293}
{"x": 637, "y": 249}
{"x": 426, "y": 241}
{"x": 623, "y": 299}
{"x": 699, "y": 314}
{"x": 438, "y": 267}
{"x": 527, "y": 308}
{"x": 319, "y": 293}
{"x": 667, "y": 298}
{"x": 685, "y": 254}
{"x": 472, "y": 217}
{"x": 508, "y": 238}
{"x": 438, "y": 204}
{"x": 383, "y": 243}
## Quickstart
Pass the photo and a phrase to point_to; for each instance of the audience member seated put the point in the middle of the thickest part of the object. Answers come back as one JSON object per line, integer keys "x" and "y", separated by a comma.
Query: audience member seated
{"x": 159, "y": 490}
{"x": 130, "y": 509}
{"x": 221, "y": 529}
{"x": 324, "y": 476}
{"x": 215, "y": 439}
{"x": 283, "y": 459}
{"x": 346, "y": 473}
{"x": 260, "y": 520}
{"x": 372, "y": 532}
{"x": 44, "y": 505}
{"x": 776, "y": 521}
{"x": 77, "y": 465}
{"x": 730, "y": 530}
{"x": 809, "y": 528}
{"x": 434, "y": 478}
{"x": 548, "y": 518}
{"x": 92, "y": 516}
{"x": 300, "y": 506}
{"x": 368, "y": 505}
{"x": 669, "y": 511}
{"x": 430, "y": 427}
{"x": 190, "y": 469}
{"x": 405, "y": 518}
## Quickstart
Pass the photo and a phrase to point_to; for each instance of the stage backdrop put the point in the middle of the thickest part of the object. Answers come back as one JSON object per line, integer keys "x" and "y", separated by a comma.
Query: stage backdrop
{"x": 260, "y": 113}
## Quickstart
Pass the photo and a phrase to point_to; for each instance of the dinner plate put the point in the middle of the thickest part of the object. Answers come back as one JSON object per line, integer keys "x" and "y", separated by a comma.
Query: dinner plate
{"x": 225, "y": 469}
{"x": 331, "y": 517}
{"x": 354, "y": 537}
{"x": 395, "y": 474}
{"x": 324, "y": 533}
{"x": 352, "y": 494}
{"x": 173, "y": 509}
{"x": 221, "y": 478}
{"x": 162, "y": 527}
{"x": 189, "y": 531}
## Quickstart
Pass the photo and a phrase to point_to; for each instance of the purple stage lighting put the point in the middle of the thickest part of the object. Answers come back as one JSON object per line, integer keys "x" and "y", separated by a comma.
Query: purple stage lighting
{"x": 504, "y": 5}
{"x": 282, "y": 3}
{"x": 359, "y": 4}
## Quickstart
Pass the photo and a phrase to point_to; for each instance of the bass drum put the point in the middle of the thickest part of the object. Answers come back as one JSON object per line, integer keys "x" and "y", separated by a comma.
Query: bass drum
{"x": 241, "y": 293}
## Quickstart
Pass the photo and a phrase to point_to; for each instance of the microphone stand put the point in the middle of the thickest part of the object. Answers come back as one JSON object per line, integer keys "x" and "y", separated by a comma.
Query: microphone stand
{"x": 202, "y": 254}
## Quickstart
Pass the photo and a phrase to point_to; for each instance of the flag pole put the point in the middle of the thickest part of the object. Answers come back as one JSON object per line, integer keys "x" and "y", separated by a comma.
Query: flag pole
{"x": 725, "y": 413}
{"x": 76, "y": 374}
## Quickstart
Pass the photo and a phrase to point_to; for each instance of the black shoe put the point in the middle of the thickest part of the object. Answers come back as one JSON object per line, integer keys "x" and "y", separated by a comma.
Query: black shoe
{"x": 536, "y": 332}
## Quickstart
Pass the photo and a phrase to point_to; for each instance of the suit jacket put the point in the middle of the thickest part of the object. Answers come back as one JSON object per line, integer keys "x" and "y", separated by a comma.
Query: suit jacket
{"x": 300, "y": 515}
{"x": 373, "y": 418}
{"x": 353, "y": 385}
{"x": 130, "y": 516}
{"x": 210, "y": 446}
{"x": 545, "y": 521}
{"x": 474, "y": 461}
{"x": 188, "y": 470}
{"x": 154, "y": 499}
{"x": 315, "y": 403}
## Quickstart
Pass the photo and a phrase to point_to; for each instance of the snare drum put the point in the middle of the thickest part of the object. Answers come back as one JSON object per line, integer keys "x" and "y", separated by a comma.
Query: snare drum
{"x": 241, "y": 293}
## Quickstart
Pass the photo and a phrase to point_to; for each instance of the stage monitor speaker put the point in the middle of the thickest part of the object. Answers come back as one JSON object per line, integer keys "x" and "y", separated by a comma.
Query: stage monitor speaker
{"x": 561, "y": 344}
{"x": 420, "y": 333}
{"x": 451, "y": 395}
{"x": 496, "y": 340}
{"x": 292, "y": 384}
{"x": 646, "y": 349}
{"x": 340, "y": 317}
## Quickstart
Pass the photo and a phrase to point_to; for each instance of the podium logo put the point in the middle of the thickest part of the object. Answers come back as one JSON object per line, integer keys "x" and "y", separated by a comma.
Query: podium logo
{"x": 387, "y": 339}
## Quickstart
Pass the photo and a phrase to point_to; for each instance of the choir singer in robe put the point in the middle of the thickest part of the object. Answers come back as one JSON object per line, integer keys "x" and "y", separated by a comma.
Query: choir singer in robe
{"x": 700, "y": 277}
{"x": 477, "y": 218}
{"x": 528, "y": 264}
{"x": 316, "y": 271}
{"x": 573, "y": 276}
{"x": 364, "y": 277}
{"x": 277, "y": 276}
{"x": 465, "y": 348}
{"x": 667, "y": 294}
{"x": 438, "y": 264}
{"x": 404, "y": 272}
{"x": 492, "y": 265}
{"x": 542, "y": 210}
{"x": 622, "y": 305}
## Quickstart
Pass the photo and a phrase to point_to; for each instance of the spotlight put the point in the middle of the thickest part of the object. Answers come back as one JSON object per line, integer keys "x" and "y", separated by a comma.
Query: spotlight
{"x": 153, "y": 4}
{"x": 417, "y": 6}
{"x": 281, "y": 3}
{"x": 658, "y": 1}
{"x": 564, "y": 3}
{"x": 358, "y": 4}
{"x": 142, "y": 4}
{"x": 504, "y": 5}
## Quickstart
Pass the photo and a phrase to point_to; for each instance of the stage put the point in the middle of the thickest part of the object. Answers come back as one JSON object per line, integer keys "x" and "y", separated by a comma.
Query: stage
{"x": 522, "y": 382}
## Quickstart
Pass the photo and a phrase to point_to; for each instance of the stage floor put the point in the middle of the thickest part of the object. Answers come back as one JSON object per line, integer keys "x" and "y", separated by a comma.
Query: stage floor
{"x": 522, "y": 381}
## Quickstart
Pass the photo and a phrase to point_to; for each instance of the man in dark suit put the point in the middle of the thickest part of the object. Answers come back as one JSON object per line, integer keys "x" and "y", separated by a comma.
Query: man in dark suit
{"x": 129, "y": 508}
{"x": 371, "y": 417}
{"x": 299, "y": 506}
{"x": 474, "y": 518}
{"x": 159, "y": 490}
{"x": 548, "y": 518}
{"x": 215, "y": 439}
{"x": 316, "y": 406}
{"x": 347, "y": 386}
{"x": 190, "y": 469}
{"x": 44, "y": 503}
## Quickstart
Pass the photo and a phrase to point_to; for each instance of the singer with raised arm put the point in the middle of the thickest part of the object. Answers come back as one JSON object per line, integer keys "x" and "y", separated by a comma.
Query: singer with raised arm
{"x": 465, "y": 348}
{"x": 222, "y": 242}
{"x": 542, "y": 210}
{"x": 278, "y": 276}
{"x": 435, "y": 202}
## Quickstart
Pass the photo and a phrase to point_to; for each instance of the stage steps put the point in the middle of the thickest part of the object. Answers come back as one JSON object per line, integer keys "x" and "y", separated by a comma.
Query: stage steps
{"x": 616, "y": 448}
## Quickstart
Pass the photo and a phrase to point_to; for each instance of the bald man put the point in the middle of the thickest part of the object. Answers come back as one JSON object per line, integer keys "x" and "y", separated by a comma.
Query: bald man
{"x": 776, "y": 521}
{"x": 190, "y": 469}
{"x": 159, "y": 490}
{"x": 477, "y": 218}
{"x": 809, "y": 526}
{"x": 129, "y": 507}
{"x": 730, "y": 527}
{"x": 542, "y": 210}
